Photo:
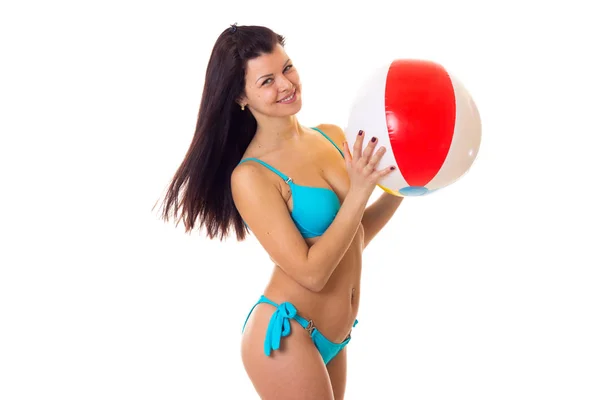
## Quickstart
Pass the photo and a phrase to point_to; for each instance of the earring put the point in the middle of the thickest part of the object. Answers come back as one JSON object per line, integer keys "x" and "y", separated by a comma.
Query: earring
{"x": 243, "y": 107}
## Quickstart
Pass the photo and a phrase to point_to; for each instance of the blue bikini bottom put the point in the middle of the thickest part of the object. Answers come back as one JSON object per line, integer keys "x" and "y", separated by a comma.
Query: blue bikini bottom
{"x": 280, "y": 326}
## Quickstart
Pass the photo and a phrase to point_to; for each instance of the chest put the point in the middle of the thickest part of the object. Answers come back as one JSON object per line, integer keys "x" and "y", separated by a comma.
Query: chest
{"x": 313, "y": 170}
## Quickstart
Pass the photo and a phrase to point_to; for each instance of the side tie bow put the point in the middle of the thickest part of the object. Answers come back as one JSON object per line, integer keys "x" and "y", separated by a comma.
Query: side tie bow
{"x": 279, "y": 326}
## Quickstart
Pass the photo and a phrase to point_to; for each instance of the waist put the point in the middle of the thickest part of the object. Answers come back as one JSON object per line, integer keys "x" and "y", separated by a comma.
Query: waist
{"x": 331, "y": 313}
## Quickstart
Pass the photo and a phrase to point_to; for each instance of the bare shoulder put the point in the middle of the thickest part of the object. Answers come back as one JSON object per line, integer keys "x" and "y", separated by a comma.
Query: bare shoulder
{"x": 250, "y": 177}
{"x": 335, "y": 132}
{"x": 247, "y": 171}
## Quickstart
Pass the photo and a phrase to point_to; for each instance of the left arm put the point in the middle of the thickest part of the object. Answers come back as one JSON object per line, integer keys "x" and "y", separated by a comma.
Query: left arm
{"x": 377, "y": 215}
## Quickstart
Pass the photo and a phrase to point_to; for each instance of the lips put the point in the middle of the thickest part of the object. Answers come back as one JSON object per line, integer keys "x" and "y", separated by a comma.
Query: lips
{"x": 290, "y": 97}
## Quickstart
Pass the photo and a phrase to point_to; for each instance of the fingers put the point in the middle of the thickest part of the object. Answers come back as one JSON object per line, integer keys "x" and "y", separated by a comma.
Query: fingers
{"x": 358, "y": 145}
{"x": 368, "y": 152}
{"x": 374, "y": 160}
{"x": 367, "y": 159}
{"x": 383, "y": 172}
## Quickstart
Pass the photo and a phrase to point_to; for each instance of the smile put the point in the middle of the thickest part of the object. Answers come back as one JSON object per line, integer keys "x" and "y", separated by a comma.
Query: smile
{"x": 289, "y": 99}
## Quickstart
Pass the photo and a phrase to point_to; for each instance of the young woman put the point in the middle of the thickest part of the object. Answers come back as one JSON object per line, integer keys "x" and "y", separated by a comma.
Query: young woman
{"x": 252, "y": 166}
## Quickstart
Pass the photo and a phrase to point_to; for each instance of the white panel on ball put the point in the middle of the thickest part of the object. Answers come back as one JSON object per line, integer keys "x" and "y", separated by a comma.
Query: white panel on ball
{"x": 465, "y": 141}
{"x": 368, "y": 113}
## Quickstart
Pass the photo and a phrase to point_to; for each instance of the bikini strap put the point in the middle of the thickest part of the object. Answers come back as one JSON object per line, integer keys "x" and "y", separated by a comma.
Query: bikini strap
{"x": 263, "y": 299}
{"x": 281, "y": 175}
{"x": 328, "y": 138}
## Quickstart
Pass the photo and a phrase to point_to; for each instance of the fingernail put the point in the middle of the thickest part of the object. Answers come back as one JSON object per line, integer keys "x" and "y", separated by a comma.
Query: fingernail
{"x": 373, "y": 139}
{"x": 360, "y": 132}
{"x": 392, "y": 168}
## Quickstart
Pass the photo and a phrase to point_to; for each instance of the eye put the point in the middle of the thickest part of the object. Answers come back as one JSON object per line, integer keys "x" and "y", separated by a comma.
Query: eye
{"x": 287, "y": 68}
{"x": 267, "y": 81}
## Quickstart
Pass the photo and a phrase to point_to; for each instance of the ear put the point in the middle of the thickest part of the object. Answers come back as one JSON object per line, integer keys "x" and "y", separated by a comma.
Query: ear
{"x": 242, "y": 101}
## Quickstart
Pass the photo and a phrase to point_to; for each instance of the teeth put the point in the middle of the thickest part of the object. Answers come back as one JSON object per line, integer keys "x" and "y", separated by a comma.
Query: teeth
{"x": 288, "y": 98}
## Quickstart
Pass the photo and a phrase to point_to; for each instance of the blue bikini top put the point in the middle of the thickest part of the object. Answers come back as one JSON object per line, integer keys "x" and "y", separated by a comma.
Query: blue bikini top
{"x": 314, "y": 208}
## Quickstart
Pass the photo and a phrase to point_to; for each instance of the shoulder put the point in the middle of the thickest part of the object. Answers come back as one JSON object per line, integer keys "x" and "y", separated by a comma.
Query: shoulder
{"x": 335, "y": 132}
{"x": 248, "y": 174}
{"x": 250, "y": 181}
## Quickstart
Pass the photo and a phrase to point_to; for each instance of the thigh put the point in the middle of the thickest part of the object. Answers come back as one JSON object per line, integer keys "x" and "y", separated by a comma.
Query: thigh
{"x": 295, "y": 371}
{"x": 337, "y": 374}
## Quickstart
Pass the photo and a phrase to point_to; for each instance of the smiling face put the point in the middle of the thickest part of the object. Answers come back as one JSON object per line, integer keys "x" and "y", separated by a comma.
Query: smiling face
{"x": 273, "y": 85}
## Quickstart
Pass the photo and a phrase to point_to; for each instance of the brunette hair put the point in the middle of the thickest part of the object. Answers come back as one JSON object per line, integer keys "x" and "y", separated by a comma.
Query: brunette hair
{"x": 200, "y": 190}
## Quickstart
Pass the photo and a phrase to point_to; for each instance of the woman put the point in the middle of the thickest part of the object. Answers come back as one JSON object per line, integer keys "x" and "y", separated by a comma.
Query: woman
{"x": 253, "y": 167}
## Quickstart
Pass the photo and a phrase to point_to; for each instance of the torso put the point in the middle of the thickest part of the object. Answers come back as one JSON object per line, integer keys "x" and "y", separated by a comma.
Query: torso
{"x": 314, "y": 161}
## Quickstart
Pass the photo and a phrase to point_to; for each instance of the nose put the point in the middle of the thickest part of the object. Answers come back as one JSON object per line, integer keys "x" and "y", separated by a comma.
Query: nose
{"x": 286, "y": 85}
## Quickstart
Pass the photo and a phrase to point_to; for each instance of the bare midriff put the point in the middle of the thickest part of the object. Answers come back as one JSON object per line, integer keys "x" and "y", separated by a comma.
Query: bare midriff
{"x": 334, "y": 308}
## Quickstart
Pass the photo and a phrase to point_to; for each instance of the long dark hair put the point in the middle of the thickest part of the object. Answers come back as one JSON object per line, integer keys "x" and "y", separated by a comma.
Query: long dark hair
{"x": 223, "y": 132}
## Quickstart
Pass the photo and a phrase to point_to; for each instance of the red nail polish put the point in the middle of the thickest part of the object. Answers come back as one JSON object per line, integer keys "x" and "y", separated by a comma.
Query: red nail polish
{"x": 360, "y": 132}
{"x": 373, "y": 139}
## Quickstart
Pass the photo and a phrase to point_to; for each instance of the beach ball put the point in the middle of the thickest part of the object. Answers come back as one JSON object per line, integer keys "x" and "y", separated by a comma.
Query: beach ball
{"x": 426, "y": 119}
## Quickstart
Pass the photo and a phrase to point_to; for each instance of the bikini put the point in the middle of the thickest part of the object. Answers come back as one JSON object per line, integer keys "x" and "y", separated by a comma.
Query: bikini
{"x": 314, "y": 209}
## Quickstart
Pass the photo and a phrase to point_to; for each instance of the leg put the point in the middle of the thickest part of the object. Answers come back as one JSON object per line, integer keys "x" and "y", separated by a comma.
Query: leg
{"x": 294, "y": 371}
{"x": 337, "y": 374}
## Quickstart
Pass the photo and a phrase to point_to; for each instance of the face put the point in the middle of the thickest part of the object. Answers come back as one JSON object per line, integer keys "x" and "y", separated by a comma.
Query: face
{"x": 273, "y": 85}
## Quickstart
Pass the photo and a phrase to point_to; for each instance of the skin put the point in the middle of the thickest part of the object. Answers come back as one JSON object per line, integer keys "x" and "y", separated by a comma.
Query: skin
{"x": 319, "y": 276}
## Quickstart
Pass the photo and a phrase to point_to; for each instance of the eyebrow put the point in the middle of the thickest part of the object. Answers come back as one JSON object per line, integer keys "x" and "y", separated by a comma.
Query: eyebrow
{"x": 264, "y": 76}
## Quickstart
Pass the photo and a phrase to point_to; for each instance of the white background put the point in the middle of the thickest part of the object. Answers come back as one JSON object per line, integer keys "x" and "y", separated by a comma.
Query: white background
{"x": 487, "y": 289}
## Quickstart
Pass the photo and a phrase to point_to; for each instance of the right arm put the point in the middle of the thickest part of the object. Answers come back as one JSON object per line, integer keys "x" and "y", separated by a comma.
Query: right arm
{"x": 262, "y": 207}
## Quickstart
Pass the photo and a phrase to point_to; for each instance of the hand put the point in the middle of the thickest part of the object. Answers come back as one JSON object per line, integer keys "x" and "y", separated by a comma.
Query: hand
{"x": 362, "y": 166}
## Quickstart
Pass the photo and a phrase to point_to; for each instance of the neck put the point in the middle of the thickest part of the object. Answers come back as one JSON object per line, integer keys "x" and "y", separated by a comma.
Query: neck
{"x": 275, "y": 131}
